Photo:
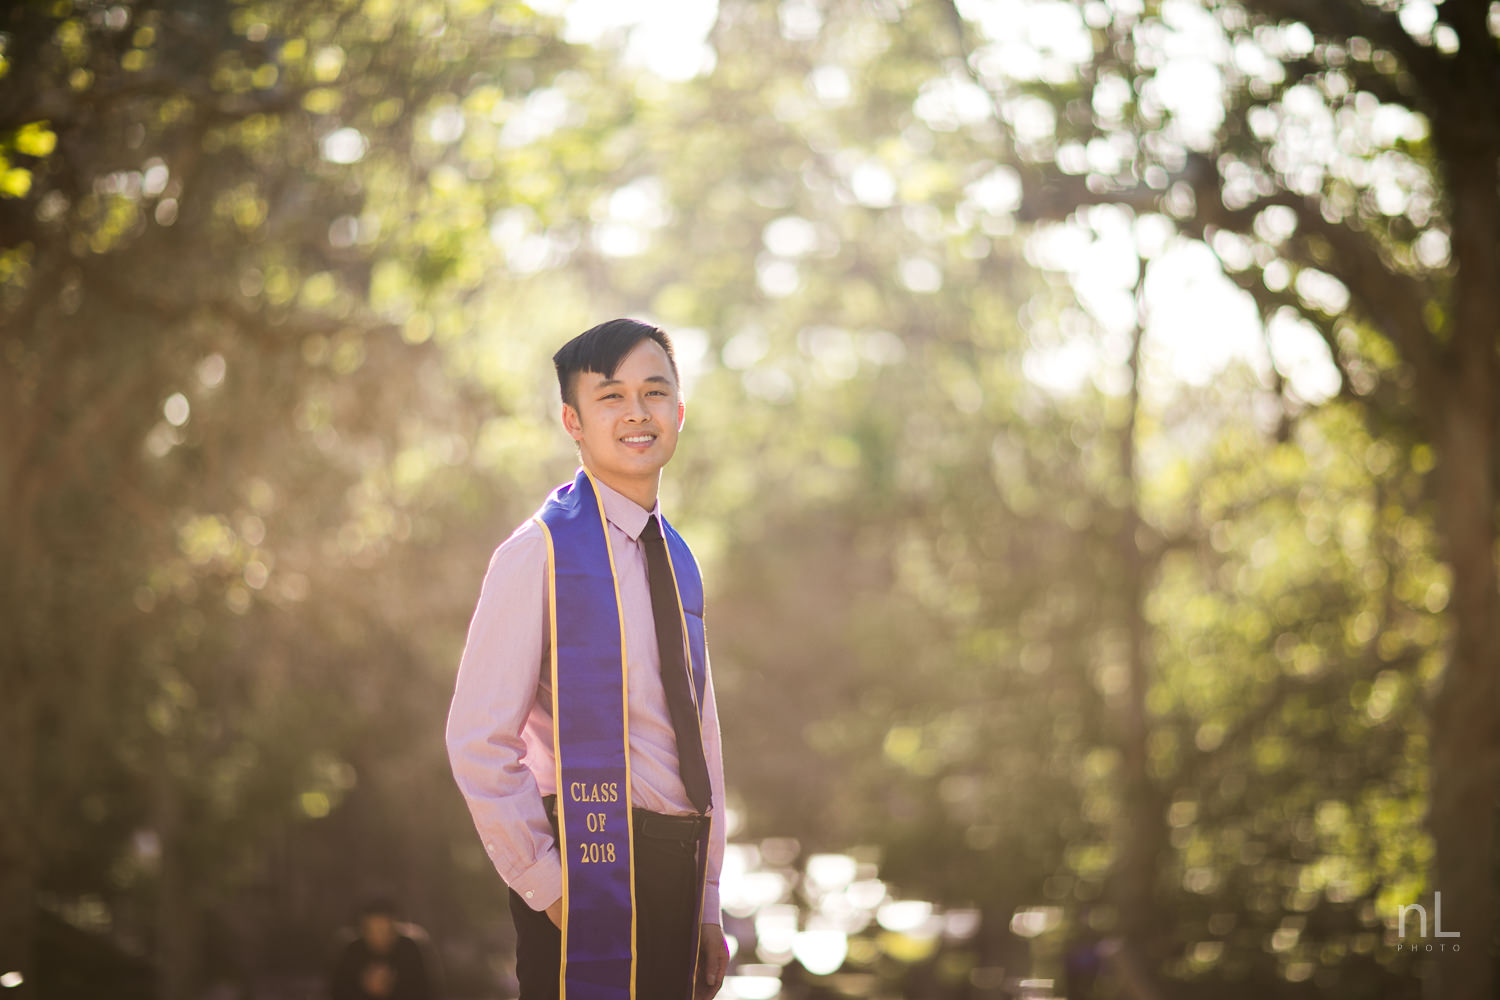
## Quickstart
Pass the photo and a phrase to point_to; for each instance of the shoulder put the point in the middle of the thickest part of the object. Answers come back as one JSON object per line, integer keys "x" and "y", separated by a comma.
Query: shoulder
{"x": 528, "y": 536}
{"x": 411, "y": 936}
{"x": 675, "y": 539}
{"x": 523, "y": 552}
{"x": 408, "y": 951}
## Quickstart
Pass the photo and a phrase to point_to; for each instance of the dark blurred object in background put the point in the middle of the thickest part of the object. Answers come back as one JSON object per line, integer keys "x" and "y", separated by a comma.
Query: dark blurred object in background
{"x": 384, "y": 962}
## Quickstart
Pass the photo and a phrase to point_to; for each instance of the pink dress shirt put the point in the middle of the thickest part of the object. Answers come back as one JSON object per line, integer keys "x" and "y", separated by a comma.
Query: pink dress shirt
{"x": 500, "y": 723}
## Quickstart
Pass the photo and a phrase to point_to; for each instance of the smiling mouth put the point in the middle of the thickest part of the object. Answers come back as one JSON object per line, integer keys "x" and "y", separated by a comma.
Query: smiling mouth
{"x": 639, "y": 438}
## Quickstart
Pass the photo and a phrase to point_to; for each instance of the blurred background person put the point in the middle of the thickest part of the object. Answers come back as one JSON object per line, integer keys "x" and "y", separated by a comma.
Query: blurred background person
{"x": 383, "y": 962}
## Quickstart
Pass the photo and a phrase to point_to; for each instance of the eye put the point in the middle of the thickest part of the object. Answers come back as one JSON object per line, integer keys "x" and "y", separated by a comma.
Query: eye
{"x": 612, "y": 395}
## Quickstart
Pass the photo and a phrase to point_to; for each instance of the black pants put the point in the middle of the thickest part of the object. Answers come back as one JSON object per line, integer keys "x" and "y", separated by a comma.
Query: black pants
{"x": 666, "y": 933}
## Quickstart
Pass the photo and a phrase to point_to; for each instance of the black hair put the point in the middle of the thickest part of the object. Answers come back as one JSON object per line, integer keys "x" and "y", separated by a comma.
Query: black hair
{"x": 378, "y": 906}
{"x": 601, "y": 349}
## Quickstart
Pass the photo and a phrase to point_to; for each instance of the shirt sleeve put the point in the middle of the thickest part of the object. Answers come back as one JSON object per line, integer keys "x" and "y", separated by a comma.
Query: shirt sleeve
{"x": 713, "y": 754}
{"x": 496, "y": 689}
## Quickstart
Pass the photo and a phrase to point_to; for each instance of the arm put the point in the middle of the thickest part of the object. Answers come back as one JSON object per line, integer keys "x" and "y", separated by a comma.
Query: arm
{"x": 713, "y": 754}
{"x": 413, "y": 981}
{"x": 344, "y": 983}
{"x": 496, "y": 689}
{"x": 713, "y": 954}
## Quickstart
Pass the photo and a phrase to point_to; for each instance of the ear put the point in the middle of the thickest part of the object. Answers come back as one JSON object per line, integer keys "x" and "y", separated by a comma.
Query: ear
{"x": 681, "y": 411}
{"x": 572, "y": 423}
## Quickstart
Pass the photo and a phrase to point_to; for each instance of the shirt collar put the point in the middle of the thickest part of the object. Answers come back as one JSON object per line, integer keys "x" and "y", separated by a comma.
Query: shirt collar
{"x": 623, "y": 512}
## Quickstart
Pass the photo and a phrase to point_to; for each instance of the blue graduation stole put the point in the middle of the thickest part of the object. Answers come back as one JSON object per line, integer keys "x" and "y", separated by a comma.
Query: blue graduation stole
{"x": 591, "y": 736}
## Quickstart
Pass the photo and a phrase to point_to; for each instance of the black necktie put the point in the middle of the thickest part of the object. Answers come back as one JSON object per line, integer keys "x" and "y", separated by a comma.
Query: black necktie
{"x": 674, "y": 672}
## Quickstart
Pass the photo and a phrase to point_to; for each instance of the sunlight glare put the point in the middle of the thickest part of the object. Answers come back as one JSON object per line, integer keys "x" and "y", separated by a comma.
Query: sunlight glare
{"x": 667, "y": 37}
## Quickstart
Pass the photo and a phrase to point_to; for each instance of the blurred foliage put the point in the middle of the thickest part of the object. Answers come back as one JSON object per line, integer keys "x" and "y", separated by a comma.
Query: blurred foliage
{"x": 279, "y": 283}
{"x": 1325, "y": 154}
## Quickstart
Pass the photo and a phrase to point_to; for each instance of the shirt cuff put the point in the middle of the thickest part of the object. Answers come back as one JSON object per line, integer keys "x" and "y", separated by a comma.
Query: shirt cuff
{"x": 711, "y": 914}
{"x": 540, "y": 885}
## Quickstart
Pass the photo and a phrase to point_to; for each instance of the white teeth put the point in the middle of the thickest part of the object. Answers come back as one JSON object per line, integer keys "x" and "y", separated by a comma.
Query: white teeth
{"x": 638, "y": 439}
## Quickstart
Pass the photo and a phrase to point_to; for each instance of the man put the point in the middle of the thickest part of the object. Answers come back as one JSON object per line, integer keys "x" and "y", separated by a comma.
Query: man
{"x": 583, "y": 731}
{"x": 382, "y": 963}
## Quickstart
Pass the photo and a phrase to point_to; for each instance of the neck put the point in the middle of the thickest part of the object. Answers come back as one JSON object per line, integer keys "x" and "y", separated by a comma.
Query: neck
{"x": 642, "y": 491}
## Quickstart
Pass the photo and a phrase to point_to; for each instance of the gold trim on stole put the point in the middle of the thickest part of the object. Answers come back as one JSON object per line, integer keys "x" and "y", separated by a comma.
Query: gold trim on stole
{"x": 562, "y": 831}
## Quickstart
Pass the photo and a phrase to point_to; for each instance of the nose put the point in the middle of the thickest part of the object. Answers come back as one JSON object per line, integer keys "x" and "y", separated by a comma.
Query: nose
{"x": 638, "y": 411}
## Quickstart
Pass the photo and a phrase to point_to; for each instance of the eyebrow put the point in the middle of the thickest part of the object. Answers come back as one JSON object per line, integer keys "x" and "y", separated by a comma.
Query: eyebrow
{"x": 606, "y": 383}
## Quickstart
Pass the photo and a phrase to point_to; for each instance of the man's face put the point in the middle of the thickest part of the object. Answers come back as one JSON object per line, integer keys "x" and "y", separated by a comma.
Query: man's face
{"x": 379, "y": 931}
{"x": 626, "y": 426}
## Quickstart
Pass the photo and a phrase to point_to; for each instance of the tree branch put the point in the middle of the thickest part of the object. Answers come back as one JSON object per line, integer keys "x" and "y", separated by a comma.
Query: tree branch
{"x": 1340, "y": 20}
{"x": 1384, "y": 87}
{"x": 1282, "y": 690}
{"x": 1270, "y": 303}
{"x": 1388, "y": 299}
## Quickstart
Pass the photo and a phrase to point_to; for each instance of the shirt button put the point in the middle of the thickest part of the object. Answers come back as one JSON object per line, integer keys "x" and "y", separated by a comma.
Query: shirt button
{"x": 529, "y": 894}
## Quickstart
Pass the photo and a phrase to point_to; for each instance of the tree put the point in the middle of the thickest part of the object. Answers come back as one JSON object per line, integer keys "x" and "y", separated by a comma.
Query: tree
{"x": 987, "y": 631}
{"x": 279, "y": 283}
{"x": 206, "y": 360}
{"x": 1386, "y": 249}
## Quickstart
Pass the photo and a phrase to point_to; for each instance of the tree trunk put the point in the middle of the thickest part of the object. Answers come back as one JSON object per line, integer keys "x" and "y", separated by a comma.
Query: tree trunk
{"x": 1142, "y": 835}
{"x": 20, "y": 862}
{"x": 1464, "y": 746}
{"x": 1465, "y": 755}
{"x": 177, "y": 919}
{"x": 1464, "y": 724}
